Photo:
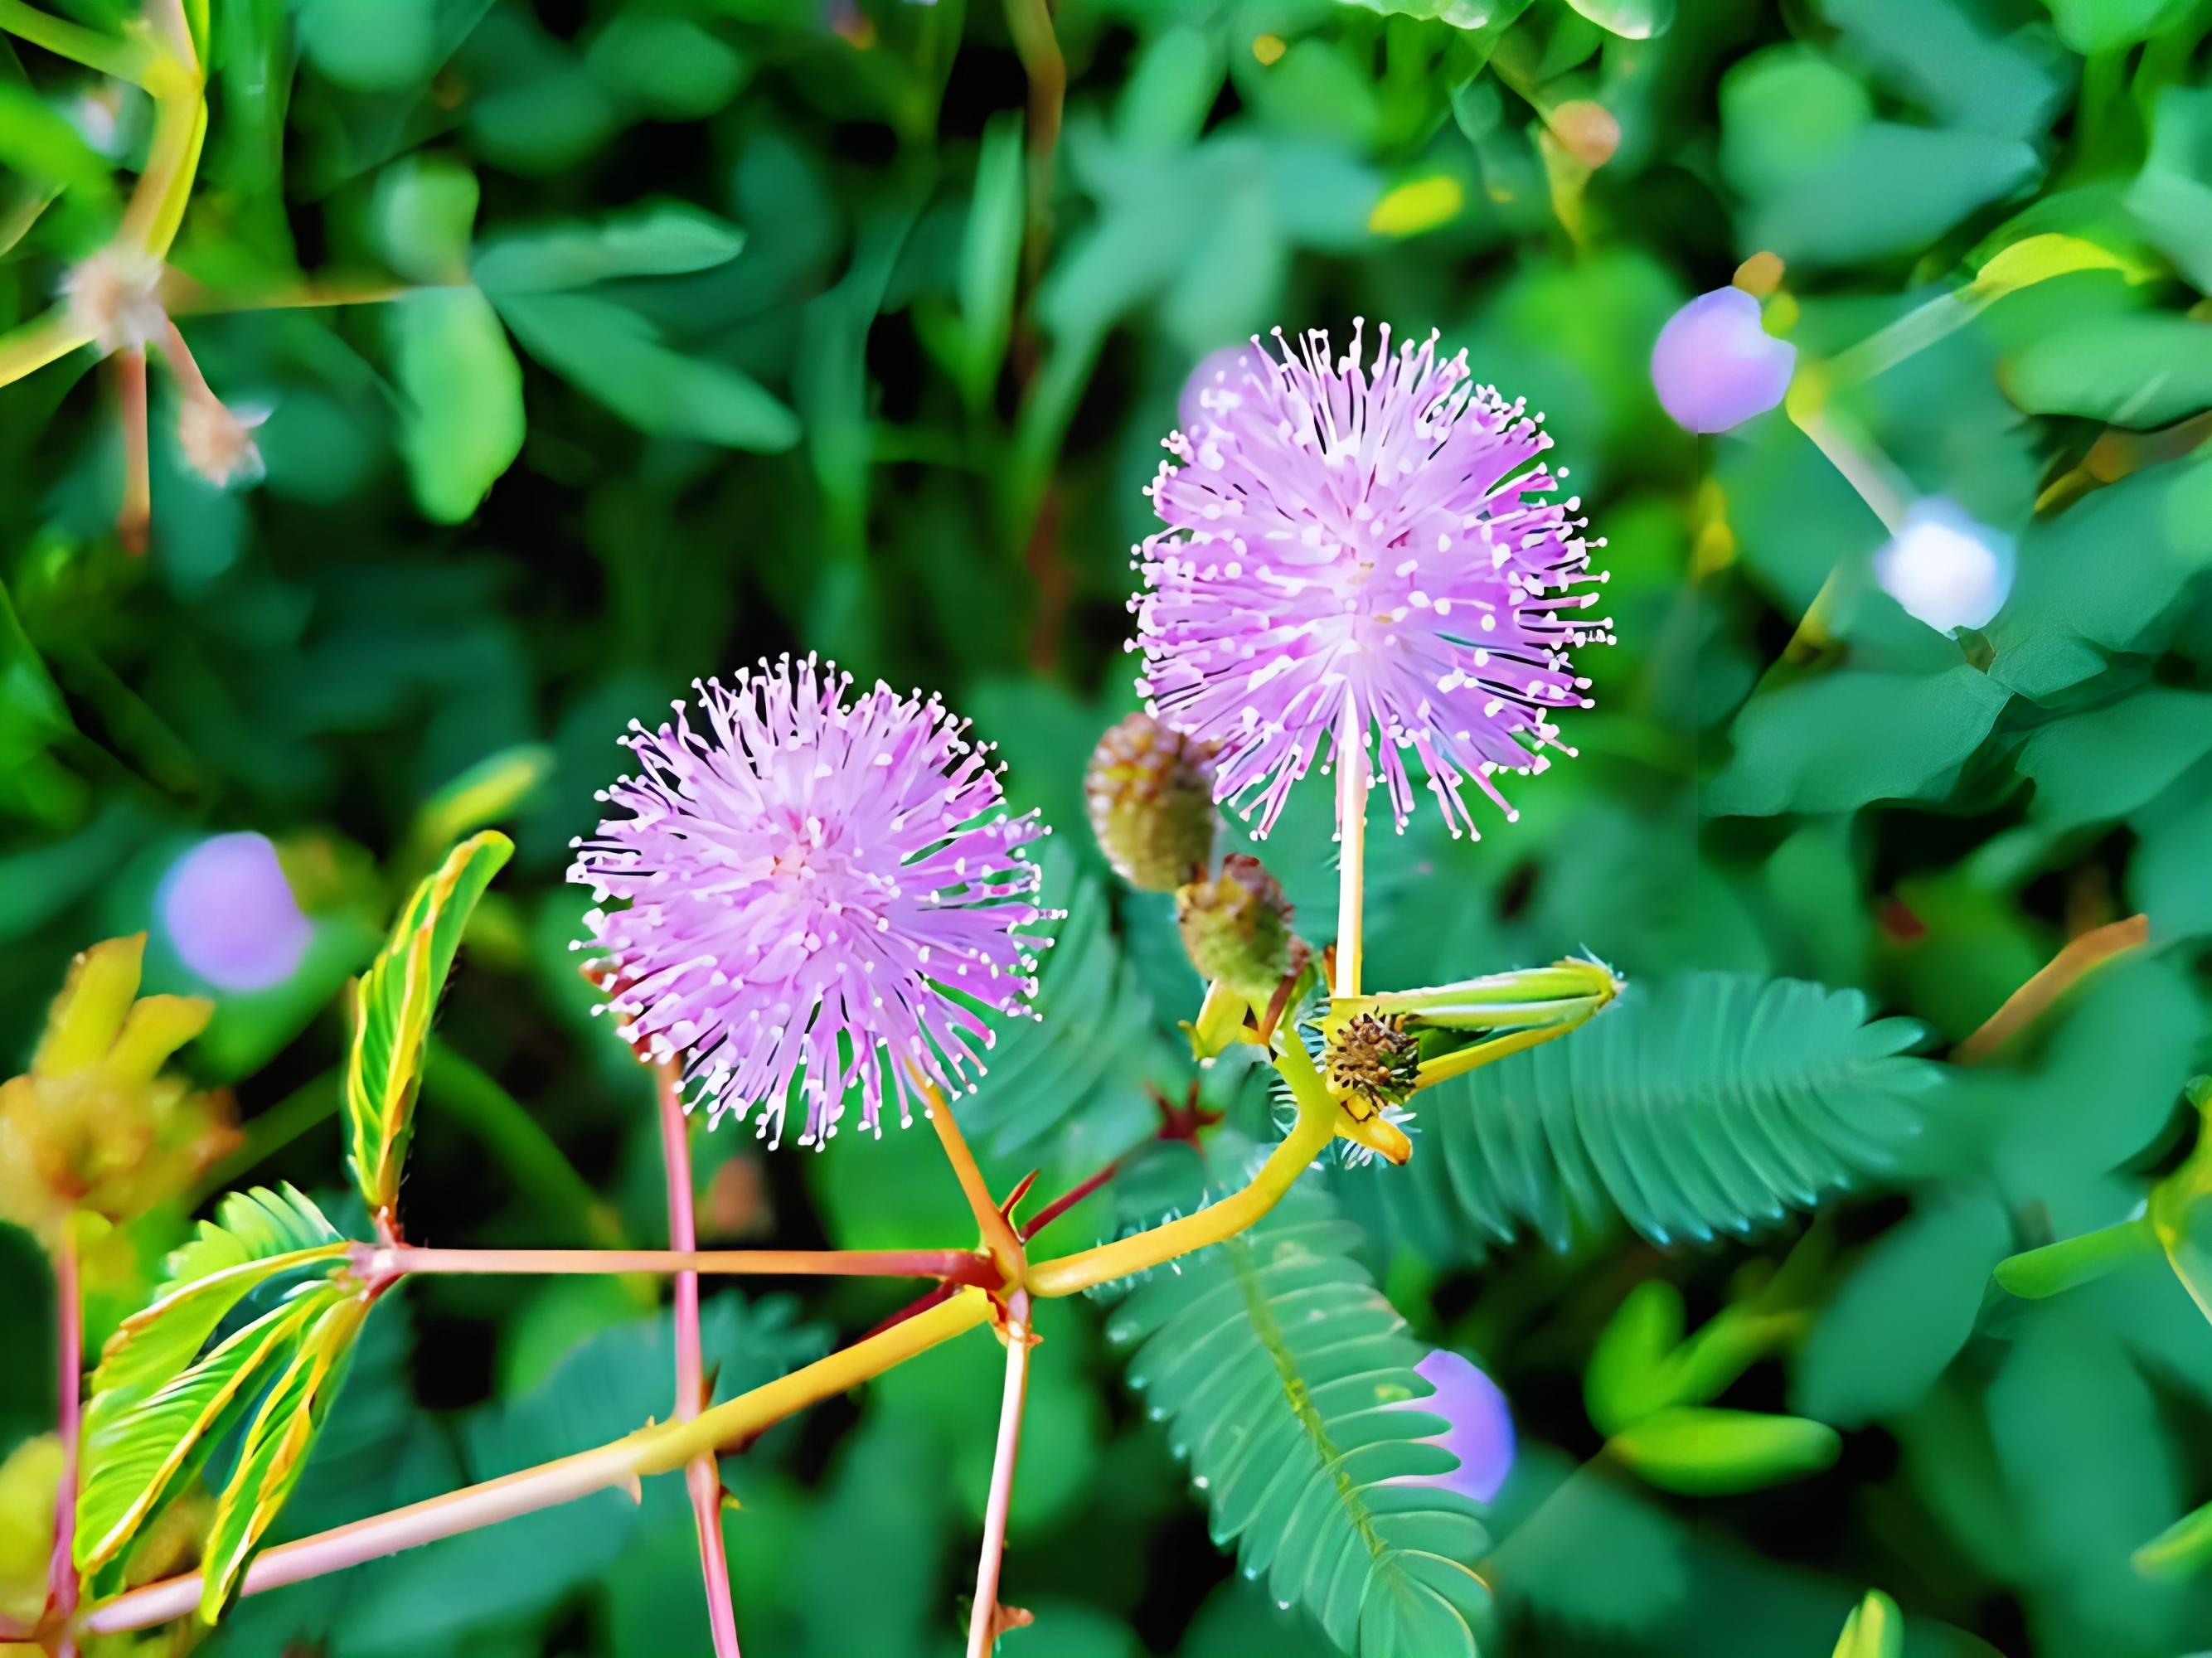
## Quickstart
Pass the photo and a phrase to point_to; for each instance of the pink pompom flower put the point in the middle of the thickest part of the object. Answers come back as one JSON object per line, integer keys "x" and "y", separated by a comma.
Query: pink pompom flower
{"x": 815, "y": 892}
{"x": 1357, "y": 547}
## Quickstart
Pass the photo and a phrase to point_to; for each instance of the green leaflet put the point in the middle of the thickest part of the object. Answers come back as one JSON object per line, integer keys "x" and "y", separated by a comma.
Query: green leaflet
{"x": 255, "y": 1236}
{"x": 1284, "y": 1375}
{"x": 1709, "y": 1103}
{"x": 393, "y": 1003}
{"x": 1072, "y": 1078}
{"x": 276, "y": 1444}
{"x": 159, "y": 1406}
{"x": 139, "y": 1455}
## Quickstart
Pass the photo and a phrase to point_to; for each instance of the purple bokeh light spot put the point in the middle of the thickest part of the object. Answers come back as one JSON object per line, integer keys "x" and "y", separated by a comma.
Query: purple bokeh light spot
{"x": 1714, "y": 367}
{"x": 1481, "y": 1431}
{"x": 229, "y": 912}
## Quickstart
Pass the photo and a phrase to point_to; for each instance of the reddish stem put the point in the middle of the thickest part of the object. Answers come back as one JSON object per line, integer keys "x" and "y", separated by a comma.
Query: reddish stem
{"x": 69, "y": 1340}
{"x": 1067, "y": 1200}
{"x": 961, "y": 1265}
{"x": 702, "y": 1474}
{"x": 132, "y": 522}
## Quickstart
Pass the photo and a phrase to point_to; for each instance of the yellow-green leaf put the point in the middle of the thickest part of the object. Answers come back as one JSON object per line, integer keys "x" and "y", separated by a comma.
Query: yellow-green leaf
{"x": 392, "y": 1006}
{"x": 138, "y": 1454}
{"x": 2038, "y": 258}
{"x": 1709, "y": 1452}
{"x": 1876, "y": 1629}
{"x": 2181, "y": 1549}
{"x": 275, "y": 1453}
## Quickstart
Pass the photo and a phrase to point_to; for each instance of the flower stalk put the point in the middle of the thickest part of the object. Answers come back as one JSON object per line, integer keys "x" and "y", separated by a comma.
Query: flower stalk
{"x": 984, "y": 1624}
{"x": 69, "y": 1388}
{"x": 1351, "y": 860}
{"x": 702, "y": 1476}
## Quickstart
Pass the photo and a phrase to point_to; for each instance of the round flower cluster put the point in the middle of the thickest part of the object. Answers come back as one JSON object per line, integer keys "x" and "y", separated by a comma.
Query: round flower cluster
{"x": 1361, "y": 547}
{"x": 815, "y": 892}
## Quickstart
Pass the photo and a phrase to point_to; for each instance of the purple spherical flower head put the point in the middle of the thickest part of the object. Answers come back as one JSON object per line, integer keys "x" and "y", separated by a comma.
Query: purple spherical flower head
{"x": 1714, "y": 367}
{"x": 816, "y": 892}
{"x": 229, "y": 912}
{"x": 1357, "y": 546}
{"x": 1481, "y": 1431}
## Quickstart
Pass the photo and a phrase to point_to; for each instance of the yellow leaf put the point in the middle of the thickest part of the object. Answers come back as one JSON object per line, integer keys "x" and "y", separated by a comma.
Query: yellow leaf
{"x": 1417, "y": 205}
{"x": 2038, "y": 258}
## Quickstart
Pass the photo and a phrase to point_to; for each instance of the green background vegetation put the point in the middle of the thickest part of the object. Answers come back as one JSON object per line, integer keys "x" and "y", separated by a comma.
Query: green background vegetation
{"x": 729, "y": 333}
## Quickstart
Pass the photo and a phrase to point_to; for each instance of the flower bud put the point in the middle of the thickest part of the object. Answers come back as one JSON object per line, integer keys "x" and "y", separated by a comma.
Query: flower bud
{"x": 1150, "y": 790}
{"x": 1372, "y": 1058}
{"x": 1945, "y": 568}
{"x": 94, "y": 1126}
{"x": 1236, "y": 928}
{"x": 1562, "y": 995}
{"x": 1716, "y": 367}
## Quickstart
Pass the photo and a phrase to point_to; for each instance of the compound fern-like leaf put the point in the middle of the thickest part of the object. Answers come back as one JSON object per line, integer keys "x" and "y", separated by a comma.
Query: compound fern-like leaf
{"x": 1711, "y": 1103}
{"x": 1287, "y": 1381}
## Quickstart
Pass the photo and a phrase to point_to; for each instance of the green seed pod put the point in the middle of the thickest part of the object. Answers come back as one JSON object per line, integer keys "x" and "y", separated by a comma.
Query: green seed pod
{"x": 1236, "y": 928}
{"x": 1150, "y": 790}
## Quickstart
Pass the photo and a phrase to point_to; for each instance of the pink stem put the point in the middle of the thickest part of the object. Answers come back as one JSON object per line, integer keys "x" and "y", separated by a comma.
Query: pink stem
{"x": 702, "y": 1475}
{"x": 486, "y": 1504}
{"x": 961, "y": 1265}
{"x": 983, "y": 1621}
{"x": 132, "y": 522}
{"x": 69, "y": 1338}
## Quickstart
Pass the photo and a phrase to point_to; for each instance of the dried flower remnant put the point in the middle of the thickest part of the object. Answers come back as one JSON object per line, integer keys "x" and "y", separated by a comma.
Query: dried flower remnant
{"x": 1716, "y": 367}
{"x": 1480, "y": 1434}
{"x": 1149, "y": 792}
{"x": 815, "y": 892}
{"x": 229, "y": 911}
{"x": 115, "y": 296}
{"x": 218, "y": 441}
{"x": 94, "y": 1125}
{"x": 1374, "y": 1060}
{"x": 1355, "y": 545}
{"x": 1945, "y": 569}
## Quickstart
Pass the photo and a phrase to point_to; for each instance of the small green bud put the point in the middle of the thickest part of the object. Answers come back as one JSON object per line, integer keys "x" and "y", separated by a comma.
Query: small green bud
{"x": 1565, "y": 993}
{"x": 1150, "y": 790}
{"x": 1236, "y": 928}
{"x": 1373, "y": 1058}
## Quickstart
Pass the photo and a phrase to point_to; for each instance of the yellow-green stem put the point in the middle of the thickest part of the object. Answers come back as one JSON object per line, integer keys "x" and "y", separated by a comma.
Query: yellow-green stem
{"x": 26, "y": 350}
{"x": 126, "y": 60}
{"x": 1446, "y": 1067}
{"x": 1005, "y": 1249}
{"x": 1309, "y": 1136}
{"x": 661, "y": 1449}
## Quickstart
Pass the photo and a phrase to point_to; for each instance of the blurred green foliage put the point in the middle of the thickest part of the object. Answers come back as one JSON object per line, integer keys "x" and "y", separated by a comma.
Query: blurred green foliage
{"x": 702, "y": 329}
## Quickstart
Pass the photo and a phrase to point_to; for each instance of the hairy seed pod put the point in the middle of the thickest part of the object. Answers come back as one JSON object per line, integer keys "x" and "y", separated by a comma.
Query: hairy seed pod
{"x": 1236, "y": 928}
{"x": 1150, "y": 790}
